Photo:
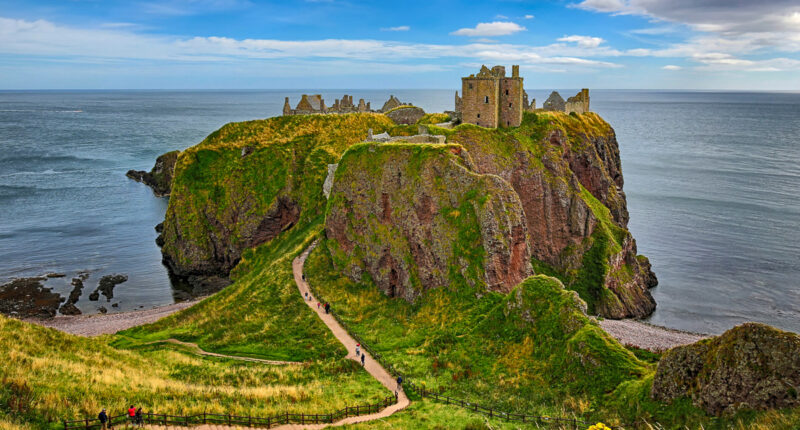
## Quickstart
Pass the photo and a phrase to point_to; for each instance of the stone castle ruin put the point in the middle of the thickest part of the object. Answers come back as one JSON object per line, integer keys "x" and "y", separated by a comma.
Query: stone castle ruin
{"x": 315, "y": 104}
{"x": 491, "y": 99}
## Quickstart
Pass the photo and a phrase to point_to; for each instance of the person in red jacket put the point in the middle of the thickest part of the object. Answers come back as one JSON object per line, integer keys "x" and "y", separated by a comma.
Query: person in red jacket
{"x": 132, "y": 414}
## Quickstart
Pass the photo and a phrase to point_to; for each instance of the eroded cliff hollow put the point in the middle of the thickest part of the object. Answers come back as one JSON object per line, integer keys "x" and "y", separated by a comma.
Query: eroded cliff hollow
{"x": 566, "y": 171}
{"x": 417, "y": 216}
{"x": 248, "y": 182}
{"x": 751, "y": 366}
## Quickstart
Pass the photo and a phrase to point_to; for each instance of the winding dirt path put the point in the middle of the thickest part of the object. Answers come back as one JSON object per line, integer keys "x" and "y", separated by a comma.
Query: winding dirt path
{"x": 197, "y": 350}
{"x": 371, "y": 366}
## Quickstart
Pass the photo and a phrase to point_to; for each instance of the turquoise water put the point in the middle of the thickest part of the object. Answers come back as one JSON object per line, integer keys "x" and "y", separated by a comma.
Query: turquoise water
{"x": 711, "y": 179}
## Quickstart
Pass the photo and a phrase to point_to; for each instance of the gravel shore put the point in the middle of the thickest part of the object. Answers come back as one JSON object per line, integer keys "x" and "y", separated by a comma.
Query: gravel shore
{"x": 648, "y": 336}
{"x": 95, "y": 325}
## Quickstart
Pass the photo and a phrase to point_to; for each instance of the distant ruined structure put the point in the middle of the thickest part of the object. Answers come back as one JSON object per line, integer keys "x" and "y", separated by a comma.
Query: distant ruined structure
{"x": 491, "y": 99}
{"x": 579, "y": 103}
{"x": 315, "y": 104}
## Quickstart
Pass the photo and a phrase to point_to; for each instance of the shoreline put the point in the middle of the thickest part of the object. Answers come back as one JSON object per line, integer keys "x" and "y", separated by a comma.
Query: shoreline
{"x": 628, "y": 332}
{"x": 100, "y": 324}
{"x": 643, "y": 335}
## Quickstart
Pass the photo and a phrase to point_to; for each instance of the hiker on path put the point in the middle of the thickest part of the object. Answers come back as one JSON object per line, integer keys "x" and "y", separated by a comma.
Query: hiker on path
{"x": 399, "y": 382}
{"x": 362, "y": 359}
{"x": 103, "y": 418}
{"x": 318, "y": 305}
{"x": 327, "y": 308}
{"x": 358, "y": 349}
{"x": 139, "y": 417}
{"x": 132, "y": 414}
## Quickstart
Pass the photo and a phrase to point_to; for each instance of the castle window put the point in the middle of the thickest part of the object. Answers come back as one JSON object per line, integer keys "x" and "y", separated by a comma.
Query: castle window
{"x": 509, "y": 105}
{"x": 506, "y": 92}
{"x": 470, "y": 86}
{"x": 479, "y": 115}
{"x": 486, "y": 99}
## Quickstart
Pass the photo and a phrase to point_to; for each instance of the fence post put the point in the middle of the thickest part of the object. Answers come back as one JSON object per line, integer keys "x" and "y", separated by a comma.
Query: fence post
{"x": 490, "y": 413}
{"x": 204, "y": 417}
{"x": 287, "y": 417}
{"x": 87, "y": 423}
{"x": 229, "y": 419}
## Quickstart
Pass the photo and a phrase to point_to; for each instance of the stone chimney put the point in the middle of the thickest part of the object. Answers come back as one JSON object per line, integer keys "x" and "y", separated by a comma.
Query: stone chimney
{"x": 287, "y": 109}
{"x": 515, "y": 71}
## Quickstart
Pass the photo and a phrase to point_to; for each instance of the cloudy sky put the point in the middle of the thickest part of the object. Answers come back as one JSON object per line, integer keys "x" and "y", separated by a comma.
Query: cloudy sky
{"x": 669, "y": 44}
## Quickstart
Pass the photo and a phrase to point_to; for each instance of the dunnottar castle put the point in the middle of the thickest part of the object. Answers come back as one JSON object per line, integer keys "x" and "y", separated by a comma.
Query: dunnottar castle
{"x": 488, "y": 99}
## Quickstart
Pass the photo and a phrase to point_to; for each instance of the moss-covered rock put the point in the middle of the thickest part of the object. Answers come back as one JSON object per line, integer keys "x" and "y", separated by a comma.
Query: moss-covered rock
{"x": 751, "y": 366}
{"x": 416, "y": 216}
{"x": 566, "y": 171}
{"x": 247, "y": 182}
{"x": 159, "y": 178}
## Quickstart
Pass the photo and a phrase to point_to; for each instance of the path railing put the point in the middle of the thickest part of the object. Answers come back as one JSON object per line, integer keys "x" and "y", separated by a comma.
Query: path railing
{"x": 423, "y": 392}
{"x": 236, "y": 420}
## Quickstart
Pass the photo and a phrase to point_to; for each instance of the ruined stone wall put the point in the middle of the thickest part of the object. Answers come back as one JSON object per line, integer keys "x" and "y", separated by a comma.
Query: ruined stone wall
{"x": 479, "y": 101}
{"x": 510, "y": 103}
{"x": 579, "y": 103}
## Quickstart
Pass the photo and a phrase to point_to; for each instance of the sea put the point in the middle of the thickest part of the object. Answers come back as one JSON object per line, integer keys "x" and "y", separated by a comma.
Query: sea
{"x": 712, "y": 181}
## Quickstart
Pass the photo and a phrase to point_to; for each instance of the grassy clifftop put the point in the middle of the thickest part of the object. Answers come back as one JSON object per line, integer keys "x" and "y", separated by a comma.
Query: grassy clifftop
{"x": 247, "y": 182}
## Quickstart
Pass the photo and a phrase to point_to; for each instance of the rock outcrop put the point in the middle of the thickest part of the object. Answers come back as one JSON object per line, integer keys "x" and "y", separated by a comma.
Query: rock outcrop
{"x": 160, "y": 177}
{"x": 415, "y": 217}
{"x": 566, "y": 170}
{"x": 751, "y": 366}
{"x": 28, "y": 297}
{"x": 406, "y": 114}
{"x": 248, "y": 182}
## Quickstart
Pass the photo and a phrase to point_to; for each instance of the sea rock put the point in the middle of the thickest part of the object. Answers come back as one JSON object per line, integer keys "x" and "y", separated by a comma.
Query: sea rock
{"x": 416, "y": 217}
{"x": 406, "y": 115}
{"x": 751, "y": 366}
{"x": 571, "y": 154}
{"x": 160, "y": 177}
{"x": 69, "y": 307}
{"x": 107, "y": 284}
{"x": 27, "y": 297}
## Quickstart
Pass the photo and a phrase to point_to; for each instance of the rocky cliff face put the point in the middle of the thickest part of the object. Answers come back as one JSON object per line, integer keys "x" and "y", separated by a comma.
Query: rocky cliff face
{"x": 414, "y": 217}
{"x": 159, "y": 178}
{"x": 566, "y": 171}
{"x": 751, "y": 366}
{"x": 248, "y": 182}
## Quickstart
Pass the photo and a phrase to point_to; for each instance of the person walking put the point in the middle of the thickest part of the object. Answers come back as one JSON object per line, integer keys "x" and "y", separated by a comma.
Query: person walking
{"x": 358, "y": 350}
{"x": 362, "y": 359}
{"x": 139, "y": 417}
{"x": 318, "y": 305}
{"x": 103, "y": 418}
{"x": 399, "y": 382}
{"x": 132, "y": 414}
{"x": 327, "y": 308}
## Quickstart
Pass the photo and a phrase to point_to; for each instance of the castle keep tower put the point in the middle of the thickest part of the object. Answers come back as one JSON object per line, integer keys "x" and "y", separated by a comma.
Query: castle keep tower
{"x": 490, "y": 99}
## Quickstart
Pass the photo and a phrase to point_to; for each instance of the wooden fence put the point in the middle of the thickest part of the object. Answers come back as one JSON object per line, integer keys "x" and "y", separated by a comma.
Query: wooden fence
{"x": 235, "y": 420}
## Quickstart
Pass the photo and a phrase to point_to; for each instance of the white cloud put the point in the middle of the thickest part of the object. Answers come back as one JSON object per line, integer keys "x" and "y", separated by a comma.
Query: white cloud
{"x": 484, "y": 29}
{"x": 528, "y": 17}
{"x": 672, "y": 67}
{"x": 47, "y": 40}
{"x": 498, "y": 16}
{"x": 398, "y": 28}
{"x": 583, "y": 41}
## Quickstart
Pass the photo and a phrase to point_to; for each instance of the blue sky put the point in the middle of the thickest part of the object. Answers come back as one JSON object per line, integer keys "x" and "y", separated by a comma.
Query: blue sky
{"x": 661, "y": 44}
